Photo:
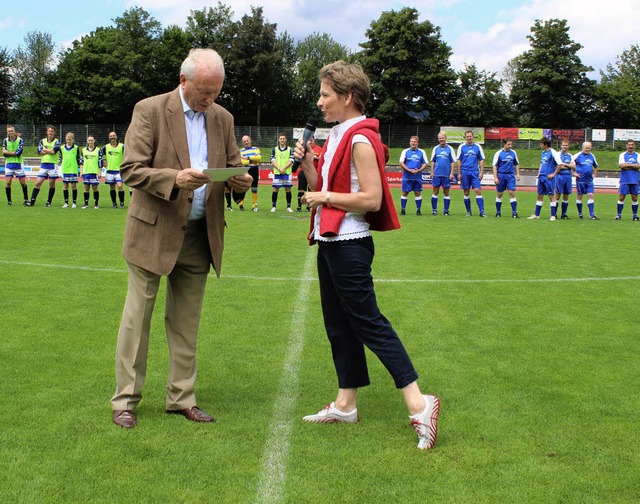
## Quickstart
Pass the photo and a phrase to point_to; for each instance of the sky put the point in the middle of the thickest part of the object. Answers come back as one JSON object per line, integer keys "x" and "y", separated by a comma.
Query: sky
{"x": 485, "y": 32}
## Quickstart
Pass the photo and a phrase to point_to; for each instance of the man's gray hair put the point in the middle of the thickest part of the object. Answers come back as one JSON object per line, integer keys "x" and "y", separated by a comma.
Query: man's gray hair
{"x": 201, "y": 57}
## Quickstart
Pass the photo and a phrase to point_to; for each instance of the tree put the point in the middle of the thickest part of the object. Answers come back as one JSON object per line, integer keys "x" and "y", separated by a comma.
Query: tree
{"x": 311, "y": 55}
{"x": 618, "y": 94}
{"x": 212, "y": 28}
{"x": 482, "y": 101}
{"x": 550, "y": 87}
{"x": 408, "y": 64}
{"x": 5, "y": 84}
{"x": 32, "y": 64}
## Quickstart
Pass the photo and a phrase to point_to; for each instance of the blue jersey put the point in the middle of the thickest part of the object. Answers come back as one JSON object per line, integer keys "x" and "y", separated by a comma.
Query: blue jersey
{"x": 564, "y": 158}
{"x": 629, "y": 176}
{"x": 548, "y": 162}
{"x": 413, "y": 159}
{"x": 506, "y": 161}
{"x": 470, "y": 157}
{"x": 585, "y": 164}
{"x": 442, "y": 157}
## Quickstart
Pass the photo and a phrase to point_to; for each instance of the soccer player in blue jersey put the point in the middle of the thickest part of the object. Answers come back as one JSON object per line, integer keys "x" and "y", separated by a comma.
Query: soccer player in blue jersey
{"x": 49, "y": 149}
{"x": 471, "y": 169}
{"x": 443, "y": 159}
{"x": 629, "y": 163}
{"x": 562, "y": 178}
{"x": 506, "y": 172}
{"x": 12, "y": 148}
{"x": 413, "y": 162}
{"x": 586, "y": 167}
{"x": 549, "y": 160}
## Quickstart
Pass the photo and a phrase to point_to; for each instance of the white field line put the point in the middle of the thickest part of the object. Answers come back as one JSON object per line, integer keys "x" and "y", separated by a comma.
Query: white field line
{"x": 273, "y": 472}
{"x": 308, "y": 278}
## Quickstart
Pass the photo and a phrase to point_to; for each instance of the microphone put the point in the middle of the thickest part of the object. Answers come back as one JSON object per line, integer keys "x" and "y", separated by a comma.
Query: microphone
{"x": 307, "y": 134}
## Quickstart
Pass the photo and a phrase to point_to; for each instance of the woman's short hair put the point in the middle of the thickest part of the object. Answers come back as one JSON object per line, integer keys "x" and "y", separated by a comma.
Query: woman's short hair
{"x": 345, "y": 78}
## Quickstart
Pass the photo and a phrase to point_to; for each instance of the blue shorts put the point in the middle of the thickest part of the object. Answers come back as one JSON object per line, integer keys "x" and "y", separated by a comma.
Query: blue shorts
{"x": 90, "y": 179}
{"x": 48, "y": 171}
{"x": 584, "y": 187}
{"x": 563, "y": 184}
{"x": 441, "y": 181}
{"x": 545, "y": 186}
{"x": 506, "y": 181}
{"x": 628, "y": 189}
{"x": 70, "y": 178}
{"x": 469, "y": 179}
{"x": 411, "y": 185}
{"x": 282, "y": 180}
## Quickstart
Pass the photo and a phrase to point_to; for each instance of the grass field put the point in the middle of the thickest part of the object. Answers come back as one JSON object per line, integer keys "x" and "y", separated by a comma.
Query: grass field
{"x": 527, "y": 330}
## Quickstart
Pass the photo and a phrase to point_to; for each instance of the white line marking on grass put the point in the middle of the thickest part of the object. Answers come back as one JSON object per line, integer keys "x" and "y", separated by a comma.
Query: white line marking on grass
{"x": 308, "y": 278}
{"x": 273, "y": 473}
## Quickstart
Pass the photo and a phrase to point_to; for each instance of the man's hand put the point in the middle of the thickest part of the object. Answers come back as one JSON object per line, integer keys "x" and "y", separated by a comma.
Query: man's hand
{"x": 191, "y": 179}
{"x": 240, "y": 183}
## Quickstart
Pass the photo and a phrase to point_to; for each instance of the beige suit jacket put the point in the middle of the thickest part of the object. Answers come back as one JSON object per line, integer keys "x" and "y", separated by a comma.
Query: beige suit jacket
{"x": 156, "y": 148}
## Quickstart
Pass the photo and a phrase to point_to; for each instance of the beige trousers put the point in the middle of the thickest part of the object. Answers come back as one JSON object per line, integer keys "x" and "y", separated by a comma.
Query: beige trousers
{"x": 185, "y": 291}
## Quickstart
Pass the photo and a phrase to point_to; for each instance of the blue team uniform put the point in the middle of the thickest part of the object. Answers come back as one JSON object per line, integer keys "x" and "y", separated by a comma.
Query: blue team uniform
{"x": 506, "y": 163}
{"x": 563, "y": 178}
{"x": 413, "y": 159}
{"x": 442, "y": 157}
{"x": 585, "y": 164}
{"x": 548, "y": 163}
{"x": 629, "y": 179}
{"x": 470, "y": 157}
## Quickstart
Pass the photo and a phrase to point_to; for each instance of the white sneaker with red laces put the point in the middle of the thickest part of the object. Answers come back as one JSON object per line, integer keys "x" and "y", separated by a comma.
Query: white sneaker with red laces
{"x": 426, "y": 423}
{"x": 330, "y": 414}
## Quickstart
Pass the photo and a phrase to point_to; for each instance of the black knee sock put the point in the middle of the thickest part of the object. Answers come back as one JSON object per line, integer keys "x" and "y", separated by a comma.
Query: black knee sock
{"x": 8, "y": 191}
{"x": 65, "y": 192}
{"x": 274, "y": 198}
{"x": 52, "y": 191}
{"x": 289, "y": 196}
{"x": 227, "y": 196}
{"x": 25, "y": 192}
{"x": 112, "y": 193}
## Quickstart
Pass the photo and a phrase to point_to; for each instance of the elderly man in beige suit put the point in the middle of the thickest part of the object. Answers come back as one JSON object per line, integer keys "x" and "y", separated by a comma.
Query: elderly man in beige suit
{"x": 175, "y": 228}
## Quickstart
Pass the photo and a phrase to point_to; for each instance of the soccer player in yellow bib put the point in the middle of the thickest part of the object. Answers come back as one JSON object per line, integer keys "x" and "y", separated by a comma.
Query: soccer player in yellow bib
{"x": 12, "y": 148}
{"x": 111, "y": 156}
{"x": 91, "y": 171}
{"x": 71, "y": 163}
{"x": 282, "y": 161}
{"x": 49, "y": 149}
{"x": 251, "y": 158}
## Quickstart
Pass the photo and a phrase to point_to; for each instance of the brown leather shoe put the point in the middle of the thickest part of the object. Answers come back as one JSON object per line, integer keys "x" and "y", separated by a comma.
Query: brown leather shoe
{"x": 194, "y": 414}
{"x": 124, "y": 418}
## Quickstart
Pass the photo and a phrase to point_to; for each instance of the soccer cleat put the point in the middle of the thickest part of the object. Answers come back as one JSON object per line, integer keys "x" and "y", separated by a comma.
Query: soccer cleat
{"x": 289, "y": 209}
{"x": 84, "y": 207}
{"x": 308, "y": 209}
{"x": 254, "y": 209}
{"x": 618, "y": 217}
{"x": 66, "y": 205}
{"x": 552, "y": 218}
{"x": 299, "y": 209}
{"x": 564, "y": 217}
{"x": 426, "y": 423}
{"x": 114, "y": 205}
{"x": 47, "y": 204}
{"x": 534, "y": 216}
{"x": 498, "y": 214}
{"x": 482, "y": 215}
{"x": 434, "y": 212}
{"x": 515, "y": 215}
{"x": 121, "y": 205}
{"x": 330, "y": 414}
{"x": 74, "y": 205}
{"x": 9, "y": 203}
{"x": 468, "y": 214}
{"x": 229, "y": 208}
{"x": 580, "y": 216}
{"x": 273, "y": 209}
{"x": 26, "y": 203}
{"x": 635, "y": 218}
{"x": 241, "y": 208}
{"x": 402, "y": 212}
{"x": 446, "y": 214}
{"x": 96, "y": 207}
{"x": 418, "y": 212}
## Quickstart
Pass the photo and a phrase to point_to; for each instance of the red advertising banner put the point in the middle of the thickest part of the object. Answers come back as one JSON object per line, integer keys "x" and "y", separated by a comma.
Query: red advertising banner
{"x": 574, "y": 135}
{"x": 495, "y": 133}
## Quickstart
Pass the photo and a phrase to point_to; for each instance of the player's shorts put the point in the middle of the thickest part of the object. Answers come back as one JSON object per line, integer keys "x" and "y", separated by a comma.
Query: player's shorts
{"x": 563, "y": 184}
{"x": 584, "y": 187}
{"x": 441, "y": 181}
{"x": 506, "y": 181}
{"x": 302, "y": 181}
{"x": 48, "y": 171}
{"x": 282, "y": 180}
{"x": 545, "y": 186}
{"x": 254, "y": 171}
{"x": 112, "y": 177}
{"x": 628, "y": 189}
{"x": 91, "y": 179}
{"x": 14, "y": 171}
{"x": 469, "y": 179}
{"x": 69, "y": 178}
{"x": 411, "y": 185}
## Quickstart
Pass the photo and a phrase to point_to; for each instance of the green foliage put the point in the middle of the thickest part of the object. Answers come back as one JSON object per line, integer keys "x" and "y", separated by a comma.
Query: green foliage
{"x": 5, "y": 84}
{"x": 550, "y": 87}
{"x": 619, "y": 91}
{"x": 482, "y": 101}
{"x": 212, "y": 28}
{"x": 408, "y": 64}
